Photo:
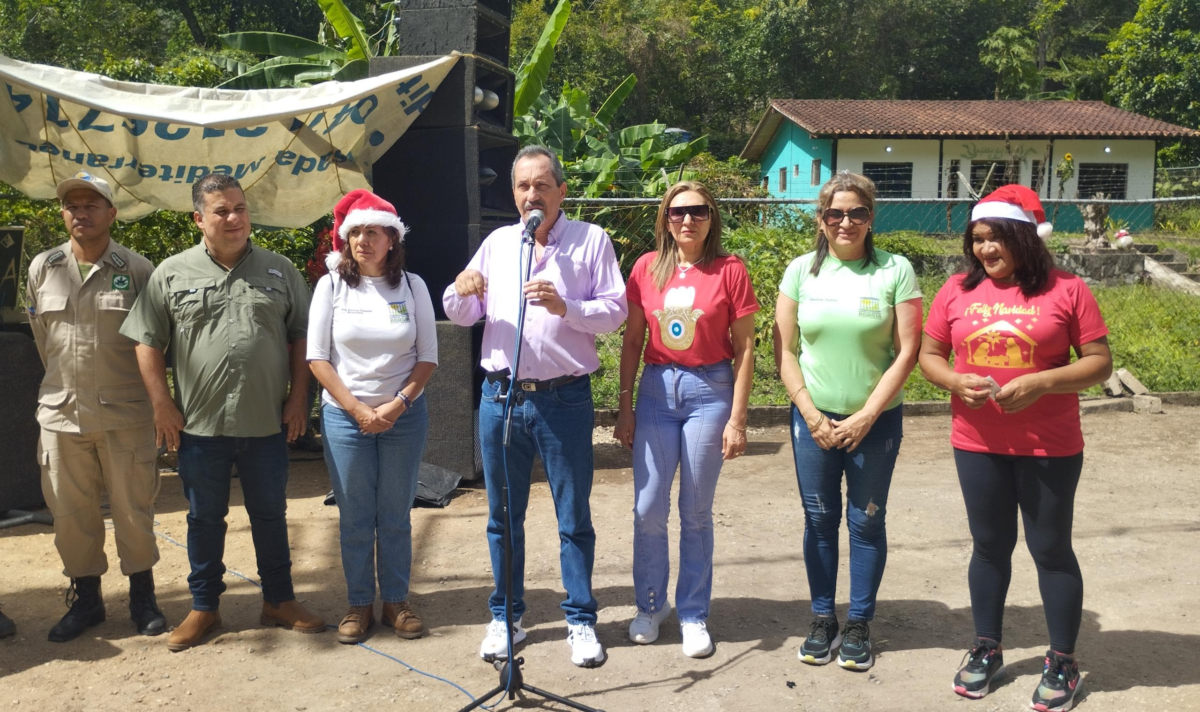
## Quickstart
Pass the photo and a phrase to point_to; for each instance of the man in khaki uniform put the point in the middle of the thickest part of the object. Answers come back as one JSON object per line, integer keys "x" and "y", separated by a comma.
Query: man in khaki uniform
{"x": 97, "y": 423}
{"x": 226, "y": 312}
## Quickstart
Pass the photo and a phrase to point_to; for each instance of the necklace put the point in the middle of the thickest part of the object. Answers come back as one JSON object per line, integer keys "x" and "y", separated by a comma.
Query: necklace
{"x": 684, "y": 270}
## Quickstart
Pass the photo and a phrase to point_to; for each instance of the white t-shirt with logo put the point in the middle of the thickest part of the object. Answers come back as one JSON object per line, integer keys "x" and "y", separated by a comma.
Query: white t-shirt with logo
{"x": 372, "y": 334}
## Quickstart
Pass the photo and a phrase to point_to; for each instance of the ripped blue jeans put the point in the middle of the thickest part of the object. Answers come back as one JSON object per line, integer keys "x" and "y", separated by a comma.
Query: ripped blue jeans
{"x": 868, "y": 473}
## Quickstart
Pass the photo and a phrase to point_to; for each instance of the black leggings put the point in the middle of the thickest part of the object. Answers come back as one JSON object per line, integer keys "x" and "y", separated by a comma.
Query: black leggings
{"x": 994, "y": 487}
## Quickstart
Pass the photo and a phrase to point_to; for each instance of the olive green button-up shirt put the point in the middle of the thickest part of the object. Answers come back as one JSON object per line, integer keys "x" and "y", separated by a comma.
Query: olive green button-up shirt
{"x": 226, "y": 333}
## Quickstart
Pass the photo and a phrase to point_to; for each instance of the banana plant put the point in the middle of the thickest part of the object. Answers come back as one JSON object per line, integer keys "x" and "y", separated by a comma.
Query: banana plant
{"x": 296, "y": 61}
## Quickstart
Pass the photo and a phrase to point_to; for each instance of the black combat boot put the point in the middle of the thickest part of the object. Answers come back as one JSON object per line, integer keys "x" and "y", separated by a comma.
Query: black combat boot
{"x": 143, "y": 608}
{"x": 7, "y": 627}
{"x": 87, "y": 610}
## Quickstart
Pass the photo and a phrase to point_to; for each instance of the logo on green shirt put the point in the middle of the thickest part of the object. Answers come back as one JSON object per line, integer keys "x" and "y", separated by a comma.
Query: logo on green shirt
{"x": 120, "y": 281}
{"x": 869, "y": 306}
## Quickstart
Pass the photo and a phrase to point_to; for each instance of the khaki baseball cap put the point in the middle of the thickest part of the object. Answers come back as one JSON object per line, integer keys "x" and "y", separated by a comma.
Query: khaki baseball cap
{"x": 83, "y": 179}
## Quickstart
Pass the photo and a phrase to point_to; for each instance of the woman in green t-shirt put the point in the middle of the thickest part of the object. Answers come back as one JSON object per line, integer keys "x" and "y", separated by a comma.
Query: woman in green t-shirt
{"x": 849, "y": 321}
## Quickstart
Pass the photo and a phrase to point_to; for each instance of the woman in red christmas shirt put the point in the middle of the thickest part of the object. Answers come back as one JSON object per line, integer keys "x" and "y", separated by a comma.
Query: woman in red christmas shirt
{"x": 1012, "y": 321}
{"x": 697, "y": 304}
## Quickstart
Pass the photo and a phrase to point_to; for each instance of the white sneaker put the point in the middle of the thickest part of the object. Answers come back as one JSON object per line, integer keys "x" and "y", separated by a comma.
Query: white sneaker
{"x": 495, "y": 642}
{"x": 644, "y": 628}
{"x": 586, "y": 650}
{"x": 696, "y": 641}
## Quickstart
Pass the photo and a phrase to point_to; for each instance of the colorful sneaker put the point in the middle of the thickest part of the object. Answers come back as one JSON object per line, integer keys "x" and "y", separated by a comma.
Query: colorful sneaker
{"x": 822, "y": 640}
{"x": 495, "y": 642}
{"x": 586, "y": 650}
{"x": 697, "y": 643}
{"x": 985, "y": 664}
{"x": 1060, "y": 683}
{"x": 644, "y": 628}
{"x": 855, "y": 653}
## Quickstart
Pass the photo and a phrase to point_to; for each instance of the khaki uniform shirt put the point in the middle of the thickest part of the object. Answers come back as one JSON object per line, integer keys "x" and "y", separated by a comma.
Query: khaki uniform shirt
{"x": 92, "y": 382}
{"x": 227, "y": 334}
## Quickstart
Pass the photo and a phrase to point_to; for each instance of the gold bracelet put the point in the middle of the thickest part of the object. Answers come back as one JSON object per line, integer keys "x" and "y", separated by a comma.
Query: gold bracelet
{"x": 740, "y": 430}
{"x": 793, "y": 395}
{"x": 813, "y": 428}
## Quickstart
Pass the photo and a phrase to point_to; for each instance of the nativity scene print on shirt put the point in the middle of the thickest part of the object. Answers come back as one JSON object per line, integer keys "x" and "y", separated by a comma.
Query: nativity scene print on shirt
{"x": 1003, "y": 343}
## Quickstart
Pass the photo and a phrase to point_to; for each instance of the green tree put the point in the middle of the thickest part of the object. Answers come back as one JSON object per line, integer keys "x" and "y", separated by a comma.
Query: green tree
{"x": 1155, "y": 62}
{"x": 1010, "y": 53}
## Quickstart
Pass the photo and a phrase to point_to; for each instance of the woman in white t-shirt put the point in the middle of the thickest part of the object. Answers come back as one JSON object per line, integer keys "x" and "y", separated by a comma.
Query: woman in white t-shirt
{"x": 373, "y": 346}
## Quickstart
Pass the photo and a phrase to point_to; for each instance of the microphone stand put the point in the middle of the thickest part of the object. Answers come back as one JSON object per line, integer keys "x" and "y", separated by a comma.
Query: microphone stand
{"x": 511, "y": 679}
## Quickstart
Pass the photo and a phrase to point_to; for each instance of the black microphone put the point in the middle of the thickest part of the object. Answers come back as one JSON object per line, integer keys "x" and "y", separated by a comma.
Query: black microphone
{"x": 533, "y": 220}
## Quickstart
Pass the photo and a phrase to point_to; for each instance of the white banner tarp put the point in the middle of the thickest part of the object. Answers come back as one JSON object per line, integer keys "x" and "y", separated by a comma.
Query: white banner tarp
{"x": 295, "y": 151}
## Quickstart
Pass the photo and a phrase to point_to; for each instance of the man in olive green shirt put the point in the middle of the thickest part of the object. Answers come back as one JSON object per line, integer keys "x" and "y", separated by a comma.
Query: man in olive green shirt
{"x": 227, "y": 312}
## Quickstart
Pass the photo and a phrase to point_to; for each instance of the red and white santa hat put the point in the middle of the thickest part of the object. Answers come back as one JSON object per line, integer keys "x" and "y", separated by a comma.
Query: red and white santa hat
{"x": 1013, "y": 202}
{"x": 360, "y": 208}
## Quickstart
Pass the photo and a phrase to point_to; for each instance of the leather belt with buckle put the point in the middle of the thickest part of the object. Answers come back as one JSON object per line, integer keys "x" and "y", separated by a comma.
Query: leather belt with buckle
{"x": 529, "y": 384}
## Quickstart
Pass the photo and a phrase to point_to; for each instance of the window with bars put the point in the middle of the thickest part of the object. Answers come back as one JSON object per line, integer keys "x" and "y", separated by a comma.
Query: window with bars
{"x": 952, "y": 179}
{"x": 1038, "y": 174}
{"x": 796, "y": 171}
{"x": 1108, "y": 179}
{"x": 989, "y": 175}
{"x": 816, "y": 172}
{"x": 783, "y": 179}
{"x": 892, "y": 180}
{"x": 766, "y": 182}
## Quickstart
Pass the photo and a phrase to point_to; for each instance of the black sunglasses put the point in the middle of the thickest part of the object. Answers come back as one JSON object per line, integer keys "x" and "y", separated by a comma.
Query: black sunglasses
{"x": 858, "y": 216}
{"x": 699, "y": 213}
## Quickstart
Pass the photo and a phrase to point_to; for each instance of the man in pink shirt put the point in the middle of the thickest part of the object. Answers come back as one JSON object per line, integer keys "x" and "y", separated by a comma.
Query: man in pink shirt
{"x": 574, "y": 292}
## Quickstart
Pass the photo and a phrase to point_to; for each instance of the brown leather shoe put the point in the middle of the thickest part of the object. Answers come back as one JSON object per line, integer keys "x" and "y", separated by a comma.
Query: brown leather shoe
{"x": 192, "y": 630}
{"x": 292, "y": 616}
{"x": 356, "y": 624}
{"x": 401, "y": 618}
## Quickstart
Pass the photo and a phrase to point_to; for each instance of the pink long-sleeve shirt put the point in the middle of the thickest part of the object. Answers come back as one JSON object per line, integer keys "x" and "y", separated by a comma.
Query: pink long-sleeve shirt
{"x": 580, "y": 261}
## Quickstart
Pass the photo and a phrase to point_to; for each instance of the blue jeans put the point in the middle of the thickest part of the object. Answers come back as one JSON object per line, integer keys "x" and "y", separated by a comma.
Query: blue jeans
{"x": 556, "y": 424}
{"x": 375, "y": 480}
{"x": 868, "y": 473}
{"x": 205, "y": 469}
{"x": 679, "y": 420}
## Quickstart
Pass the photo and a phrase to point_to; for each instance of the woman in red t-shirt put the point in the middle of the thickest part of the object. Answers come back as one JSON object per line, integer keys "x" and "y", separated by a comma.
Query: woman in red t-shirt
{"x": 1012, "y": 321}
{"x": 698, "y": 305}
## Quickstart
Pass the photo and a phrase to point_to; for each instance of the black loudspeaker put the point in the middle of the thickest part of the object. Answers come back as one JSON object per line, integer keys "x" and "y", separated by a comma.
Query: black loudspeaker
{"x": 20, "y": 377}
{"x": 12, "y": 241}
{"x": 449, "y": 177}
{"x": 438, "y": 27}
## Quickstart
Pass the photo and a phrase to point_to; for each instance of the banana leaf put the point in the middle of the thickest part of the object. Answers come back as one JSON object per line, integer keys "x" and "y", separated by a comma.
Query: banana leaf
{"x": 531, "y": 76}
{"x": 232, "y": 66}
{"x": 606, "y": 112}
{"x": 279, "y": 44}
{"x": 352, "y": 71}
{"x": 281, "y": 76}
{"x": 348, "y": 27}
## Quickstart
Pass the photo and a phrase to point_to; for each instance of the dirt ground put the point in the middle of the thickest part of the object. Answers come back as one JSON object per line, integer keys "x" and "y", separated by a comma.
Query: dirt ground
{"x": 1137, "y": 535}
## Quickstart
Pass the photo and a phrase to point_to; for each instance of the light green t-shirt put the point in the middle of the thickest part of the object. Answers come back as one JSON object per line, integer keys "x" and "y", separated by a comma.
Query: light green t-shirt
{"x": 846, "y": 315}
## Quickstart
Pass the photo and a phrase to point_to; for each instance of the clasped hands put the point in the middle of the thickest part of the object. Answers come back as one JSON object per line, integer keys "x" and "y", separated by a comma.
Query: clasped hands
{"x": 847, "y": 433}
{"x": 1014, "y": 396}
{"x": 380, "y": 419}
{"x": 539, "y": 292}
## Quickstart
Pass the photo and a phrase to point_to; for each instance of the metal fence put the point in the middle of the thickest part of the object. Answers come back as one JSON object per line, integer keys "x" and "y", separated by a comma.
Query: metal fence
{"x": 1149, "y": 292}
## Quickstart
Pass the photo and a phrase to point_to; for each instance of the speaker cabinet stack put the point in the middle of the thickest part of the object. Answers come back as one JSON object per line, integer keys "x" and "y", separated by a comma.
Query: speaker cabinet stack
{"x": 449, "y": 178}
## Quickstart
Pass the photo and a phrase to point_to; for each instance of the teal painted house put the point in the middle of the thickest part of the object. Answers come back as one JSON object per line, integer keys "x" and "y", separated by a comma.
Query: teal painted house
{"x": 926, "y": 154}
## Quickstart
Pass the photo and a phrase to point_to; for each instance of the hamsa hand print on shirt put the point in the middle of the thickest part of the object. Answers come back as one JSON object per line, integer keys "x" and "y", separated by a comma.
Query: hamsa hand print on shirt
{"x": 677, "y": 319}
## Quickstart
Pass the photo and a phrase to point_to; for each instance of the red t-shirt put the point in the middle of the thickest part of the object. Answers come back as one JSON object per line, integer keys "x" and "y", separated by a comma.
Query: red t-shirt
{"x": 693, "y": 311}
{"x": 995, "y": 331}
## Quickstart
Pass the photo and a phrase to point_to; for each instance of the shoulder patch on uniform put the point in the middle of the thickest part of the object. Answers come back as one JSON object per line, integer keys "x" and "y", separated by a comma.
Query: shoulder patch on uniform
{"x": 121, "y": 282}
{"x": 277, "y": 273}
{"x": 56, "y": 257}
{"x": 117, "y": 259}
